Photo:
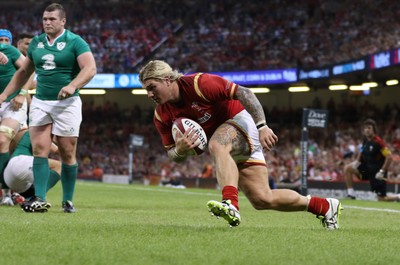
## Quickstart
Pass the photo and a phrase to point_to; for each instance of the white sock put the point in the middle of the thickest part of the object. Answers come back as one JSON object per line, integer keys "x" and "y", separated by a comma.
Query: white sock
{"x": 350, "y": 191}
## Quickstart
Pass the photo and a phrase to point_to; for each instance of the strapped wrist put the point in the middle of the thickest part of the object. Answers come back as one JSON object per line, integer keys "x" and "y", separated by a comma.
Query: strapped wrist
{"x": 261, "y": 125}
{"x": 177, "y": 154}
{"x": 23, "y": 92}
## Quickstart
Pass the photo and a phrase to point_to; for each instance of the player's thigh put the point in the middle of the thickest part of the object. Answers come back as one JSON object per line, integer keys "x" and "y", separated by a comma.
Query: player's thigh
{"x": 353, "y": 169}
{"x": 41, "y": 139}
{"x": 39, "y": 112}
{"x": 253, "y": 182}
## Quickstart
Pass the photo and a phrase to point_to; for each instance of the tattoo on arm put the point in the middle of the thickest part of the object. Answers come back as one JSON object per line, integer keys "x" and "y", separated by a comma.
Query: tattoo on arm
{"x": 251, "y": 103}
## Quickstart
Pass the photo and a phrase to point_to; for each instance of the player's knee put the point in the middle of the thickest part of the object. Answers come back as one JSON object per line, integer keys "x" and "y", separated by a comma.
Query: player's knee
{"x": 349, "y": 169}
{"x": 6, "y": 134}
{"x": 67, "y": 157}
{"x": 261, "y": 202}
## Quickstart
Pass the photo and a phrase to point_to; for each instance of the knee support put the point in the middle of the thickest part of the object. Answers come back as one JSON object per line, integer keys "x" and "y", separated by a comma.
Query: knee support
{"x": 7, "y": 131}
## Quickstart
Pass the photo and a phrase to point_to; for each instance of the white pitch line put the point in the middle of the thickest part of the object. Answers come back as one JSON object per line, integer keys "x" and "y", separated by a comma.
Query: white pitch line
{"x": 184, "y": 191}
{"x": 167, "y": 190}
{"x": 372, "y": 209}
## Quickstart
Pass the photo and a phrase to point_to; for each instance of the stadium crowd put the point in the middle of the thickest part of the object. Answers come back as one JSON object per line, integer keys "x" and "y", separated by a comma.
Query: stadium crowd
{"x": 104, "y": 143}
{"x": 221, "y": 35}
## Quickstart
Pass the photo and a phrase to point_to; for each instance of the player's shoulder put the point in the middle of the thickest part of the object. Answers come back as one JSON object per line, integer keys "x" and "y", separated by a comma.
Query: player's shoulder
{"x": 198, "y": 79}
{"x": 160, "y": 113}
{"x": 38, "y": 39}
{"x": 9, "y": 50}
{"x": 71, "y": 36}
{"x": 210, "y": 79}
{"x": 77, "y": 41}
{"x": 200, "y": 75}
{"x": 378, "y": 140}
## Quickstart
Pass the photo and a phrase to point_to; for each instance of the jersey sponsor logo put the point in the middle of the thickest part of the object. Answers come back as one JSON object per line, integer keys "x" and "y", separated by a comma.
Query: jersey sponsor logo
{"x": 61, "y": 45}
{"x": 196, "y": 106}
{"x": 206, "y": 115}
{"x": 205, "y": 118}
{"x": 40, "y": 45}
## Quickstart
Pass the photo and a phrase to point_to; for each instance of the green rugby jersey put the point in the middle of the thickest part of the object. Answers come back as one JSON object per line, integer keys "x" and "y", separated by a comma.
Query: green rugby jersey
{"x": 24, "y": 146}
{"x": 56, "y": 65}
{"x": 7, "y": 71}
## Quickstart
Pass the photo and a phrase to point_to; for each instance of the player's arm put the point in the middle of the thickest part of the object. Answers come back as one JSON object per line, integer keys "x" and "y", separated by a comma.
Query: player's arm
{"x": 20, "y": 61}
{"x": 175, "y": 156}
{"x": 183, "y": 144}
{"x": 20, "y": 77}
{"x": 358, "y": 157}
{"x": 165, "y": 131}
{"x": 3, "y": 58}
{"x": 382, "y": 173}
{"x": 19, "y": 99}
{"x": 388, "y": 159}
{"x": 31, "y": 83}
{"x": 251, "y": 103}
{"x": 88, "y": 70}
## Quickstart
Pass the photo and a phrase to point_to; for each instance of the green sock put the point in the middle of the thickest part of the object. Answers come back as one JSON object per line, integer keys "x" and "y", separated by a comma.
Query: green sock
{"x": 4, "y": 157}
{"x": 68, "y": 179}
{"x": 41, "y": 174}
{"x": 53, "y": 179}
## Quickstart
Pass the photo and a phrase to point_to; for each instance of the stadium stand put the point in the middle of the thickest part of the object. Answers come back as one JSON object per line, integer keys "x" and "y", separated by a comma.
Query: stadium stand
{"x": 105, "y": 133}
{"x": 221, "y": 36}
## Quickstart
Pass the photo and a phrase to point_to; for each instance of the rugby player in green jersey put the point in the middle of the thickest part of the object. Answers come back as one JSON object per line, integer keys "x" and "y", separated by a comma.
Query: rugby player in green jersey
{"x": 63, "y": 63}
{"x": 24, "y": 39}
{"x": 13, "y": 112}
{"x": 18, "y": 173}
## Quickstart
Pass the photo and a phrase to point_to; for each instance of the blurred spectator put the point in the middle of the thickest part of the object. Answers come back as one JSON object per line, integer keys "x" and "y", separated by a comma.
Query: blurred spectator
{"x": 104, "y": 144}
{"x": 229, "y": 36}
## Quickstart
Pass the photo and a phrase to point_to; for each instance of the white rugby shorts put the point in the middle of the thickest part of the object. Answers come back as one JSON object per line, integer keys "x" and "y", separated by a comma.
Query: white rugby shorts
{"x": 20, "y": 115}
{"x": 245, "y": 124}
{"x": 18, "y": 173}
{"x": 65, "y": 115}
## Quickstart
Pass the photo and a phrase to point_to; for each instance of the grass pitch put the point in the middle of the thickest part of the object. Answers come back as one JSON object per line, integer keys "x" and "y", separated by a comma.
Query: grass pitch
{"x": 135, "y": 224}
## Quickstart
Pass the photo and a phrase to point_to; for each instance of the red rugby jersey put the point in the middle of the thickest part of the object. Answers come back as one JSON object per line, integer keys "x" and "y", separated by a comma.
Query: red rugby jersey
{"x": 207, "y": 99}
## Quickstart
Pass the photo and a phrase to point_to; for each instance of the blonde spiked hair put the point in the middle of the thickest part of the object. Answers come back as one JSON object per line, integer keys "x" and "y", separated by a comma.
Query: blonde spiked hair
{"x": 158, "y": 69}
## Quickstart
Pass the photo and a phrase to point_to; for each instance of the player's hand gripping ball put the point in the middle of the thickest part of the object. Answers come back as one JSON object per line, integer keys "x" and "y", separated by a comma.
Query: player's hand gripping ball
{"x": 181, "y": 125}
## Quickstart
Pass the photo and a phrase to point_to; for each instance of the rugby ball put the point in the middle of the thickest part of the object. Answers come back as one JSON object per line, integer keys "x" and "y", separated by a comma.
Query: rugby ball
{"x": 181, "y": 125}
